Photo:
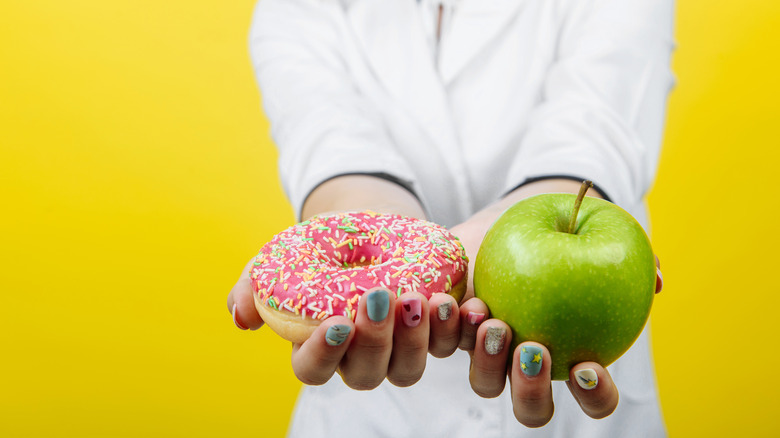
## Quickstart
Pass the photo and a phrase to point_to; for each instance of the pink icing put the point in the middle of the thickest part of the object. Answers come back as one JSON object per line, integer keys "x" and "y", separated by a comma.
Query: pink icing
{"x": 321, "y": 267}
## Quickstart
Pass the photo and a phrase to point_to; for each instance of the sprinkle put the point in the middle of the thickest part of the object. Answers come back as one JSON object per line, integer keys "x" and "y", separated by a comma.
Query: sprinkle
{"x": 325, "y": 279}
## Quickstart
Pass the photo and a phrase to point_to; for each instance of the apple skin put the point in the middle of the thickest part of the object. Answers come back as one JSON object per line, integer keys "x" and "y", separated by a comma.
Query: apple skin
{"x": 586, "y": 296}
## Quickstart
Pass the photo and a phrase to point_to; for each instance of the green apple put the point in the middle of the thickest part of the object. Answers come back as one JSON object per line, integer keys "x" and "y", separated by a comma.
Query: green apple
{"x": 579, "y": 279}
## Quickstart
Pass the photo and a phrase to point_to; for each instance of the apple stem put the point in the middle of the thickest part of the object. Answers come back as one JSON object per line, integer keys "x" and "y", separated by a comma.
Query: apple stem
{"x": 583, "y": 189}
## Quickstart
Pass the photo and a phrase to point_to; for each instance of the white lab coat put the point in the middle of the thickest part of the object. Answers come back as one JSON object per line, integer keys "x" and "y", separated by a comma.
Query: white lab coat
{"x": 518, "y": 89}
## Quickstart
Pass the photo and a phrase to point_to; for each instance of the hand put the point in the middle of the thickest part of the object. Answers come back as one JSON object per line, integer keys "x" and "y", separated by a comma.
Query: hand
{"x": 386, "y": 340}
{"x": 390, "y": 337}
{"x": 489, "y": 345}
{"x": 529, "y": 375}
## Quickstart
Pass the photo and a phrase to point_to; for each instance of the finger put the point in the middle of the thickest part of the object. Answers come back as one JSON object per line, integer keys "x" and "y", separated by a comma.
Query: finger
{"x": 488, "y": 365}
{"x": 530, "y": 383}
{"x": 315, "y": 361}
{"x": 410, "y": 340}
{"x": 445, "y": 325}
{"x": 241, "y": 303}
{"x": 594, "y": 389}
{"x": 659, "y": 279}
{"x": 366, "y": 362}
{"x": 472, "y": 313}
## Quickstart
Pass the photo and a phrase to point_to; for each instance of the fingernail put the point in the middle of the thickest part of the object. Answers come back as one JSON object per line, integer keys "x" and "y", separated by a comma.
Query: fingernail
{"x": 411, "y": 311}
{"x": 235, "y": 318}
{"x": 531, "y": 360}
{"x": 445, "y": 311}
{"x": 475, "y": 318}
{"x": 587, "y": 378}
{"x": 659, "y": 281}
{"x": 337, "y": 334}
{"x": 494, "y": 340}
{"x": 378, "y": 305}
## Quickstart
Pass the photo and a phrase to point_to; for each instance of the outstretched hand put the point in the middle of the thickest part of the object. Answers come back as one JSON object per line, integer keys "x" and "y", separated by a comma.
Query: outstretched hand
{"x": 390, "y": 337}
{"x": 529, "y": 369}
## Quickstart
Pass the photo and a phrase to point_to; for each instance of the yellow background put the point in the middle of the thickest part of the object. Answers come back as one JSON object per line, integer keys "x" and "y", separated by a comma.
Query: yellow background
{"x": 137, "y": 177}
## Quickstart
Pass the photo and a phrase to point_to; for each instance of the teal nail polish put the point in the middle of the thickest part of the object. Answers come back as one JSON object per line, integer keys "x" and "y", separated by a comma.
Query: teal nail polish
{"x": 531, "y": 360}
{"x": 337, "y": 334}
{"x": 378, "y": 305}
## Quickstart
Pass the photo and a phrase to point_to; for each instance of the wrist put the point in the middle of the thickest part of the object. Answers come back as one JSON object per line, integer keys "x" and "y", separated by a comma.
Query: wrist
{"x": 551, "y": 185}
{"x": 360, "y": 193}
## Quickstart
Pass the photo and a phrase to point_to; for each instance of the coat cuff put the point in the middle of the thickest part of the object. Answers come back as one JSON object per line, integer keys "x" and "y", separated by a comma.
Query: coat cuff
{"x": 595, "y": 187}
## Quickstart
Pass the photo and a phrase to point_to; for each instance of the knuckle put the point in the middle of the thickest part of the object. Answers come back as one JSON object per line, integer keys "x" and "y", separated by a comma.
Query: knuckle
{"x": 410, "y": 348}
{"x": 370, "y": 349}
{"x": 448, "y": 338}
{"x": 532, "y": 398}
{"x": 490, "y": 370}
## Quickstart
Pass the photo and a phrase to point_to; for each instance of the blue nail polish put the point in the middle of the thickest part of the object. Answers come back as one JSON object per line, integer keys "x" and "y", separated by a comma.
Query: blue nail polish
{"x": 337, "y": 334}
{"x": 531, "y": 360}
{"x": 378, "y": 305}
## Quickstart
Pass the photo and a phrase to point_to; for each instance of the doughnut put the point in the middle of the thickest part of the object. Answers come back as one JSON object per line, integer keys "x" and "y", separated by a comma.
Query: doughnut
{"x": 321, "y": 267}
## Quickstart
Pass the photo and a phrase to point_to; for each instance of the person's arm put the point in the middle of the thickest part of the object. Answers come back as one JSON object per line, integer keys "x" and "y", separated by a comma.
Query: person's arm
{"x": 600, "y": 118}
{"x": 321, "y": 123}
{"x": 359, "y": 193}
{"x": 603, "y": 101}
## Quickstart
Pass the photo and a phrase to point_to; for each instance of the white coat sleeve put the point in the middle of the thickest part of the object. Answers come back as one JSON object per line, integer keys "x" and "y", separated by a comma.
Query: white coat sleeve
{"x": 321, "y": 124}
{"x": 602, "y": 111}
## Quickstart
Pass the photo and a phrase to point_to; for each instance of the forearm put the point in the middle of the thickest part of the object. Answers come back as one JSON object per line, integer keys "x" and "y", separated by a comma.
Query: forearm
{"x": 362, "y": 192}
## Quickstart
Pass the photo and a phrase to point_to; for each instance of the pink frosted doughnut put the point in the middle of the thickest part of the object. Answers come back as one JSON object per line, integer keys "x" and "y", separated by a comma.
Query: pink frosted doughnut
{"x": 321, "y": 267}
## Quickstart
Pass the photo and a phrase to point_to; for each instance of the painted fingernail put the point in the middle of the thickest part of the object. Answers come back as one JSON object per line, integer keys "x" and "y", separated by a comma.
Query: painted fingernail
{"x": 494, "y": 340}
{"x": 445, "y": 311}
{"x": 659, "y": 281}
{"x": 378, "y": 305}
{"x": 475, "y": 318}
{"x": 411, "y": 311}
{"x": 235, "y": 318}
{"x": 587, "y": 378}
{"x": 531, "y": 359}
{"x": 337, "y": 334}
